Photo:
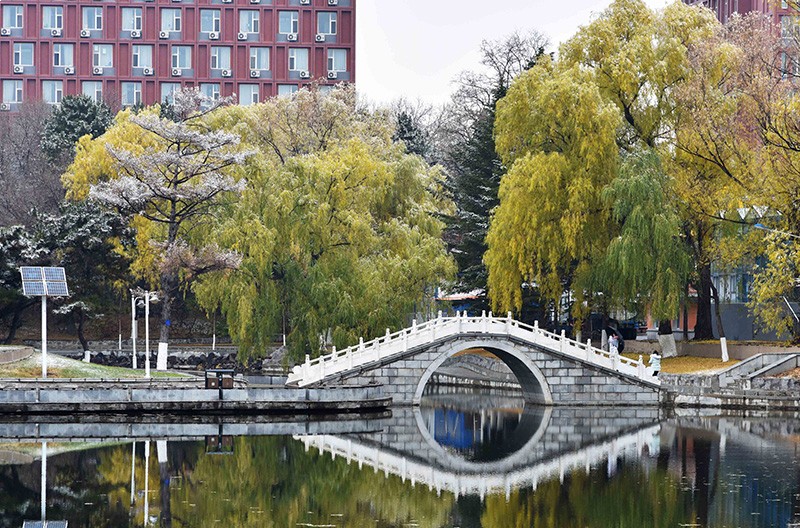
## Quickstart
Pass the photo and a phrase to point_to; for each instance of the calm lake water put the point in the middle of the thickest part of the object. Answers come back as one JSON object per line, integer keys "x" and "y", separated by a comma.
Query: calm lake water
{"x": 463, "y": 459}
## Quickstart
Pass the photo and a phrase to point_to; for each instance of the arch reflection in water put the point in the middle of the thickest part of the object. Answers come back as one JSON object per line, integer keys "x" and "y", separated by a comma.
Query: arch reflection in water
{"x": 479, "y": 427}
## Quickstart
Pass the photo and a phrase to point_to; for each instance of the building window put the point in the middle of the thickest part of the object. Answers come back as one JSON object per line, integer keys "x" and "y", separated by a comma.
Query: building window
{"x": 131, "y": 93}
{"x": 131, "y": 19}
{"x": 210, "y": 20}
{"x": 52, "y": 17}
{"x": 298, "y": 59}
{"x": 171, "y": 20}
{"x": 259, "y": 58}
{"x": 789, "y": 26}
{"x": 63, "y": 55}
{"x": 103, "y": 56}
{"x": 182, "y": 57}
{"x": 248, "y": 94}
{"x": 23, "y": 54}
{"x": 93, "y": 89}
{"x": 210, "y": 90}
{"x": 220, "y": 58}
{"x": 12, "y": 17}
{"x": 248, "y": 21}
{"x": 52, "y": 91}
{"x": 326, "y": 23}
{"x": 168, "y": 91}
{"x": 142, "y": 56}
{"x": 288, "y": 22}
{"x": 337, "y": 60}
{"x": 325, "y": 89}
{"x": 286, "y": 89}
{"x": 93, "y": 18}
{"x": 12, "y": 91}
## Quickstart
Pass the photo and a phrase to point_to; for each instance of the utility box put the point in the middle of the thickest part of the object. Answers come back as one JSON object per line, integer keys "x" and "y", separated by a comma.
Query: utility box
{"x": 219, "y": 378}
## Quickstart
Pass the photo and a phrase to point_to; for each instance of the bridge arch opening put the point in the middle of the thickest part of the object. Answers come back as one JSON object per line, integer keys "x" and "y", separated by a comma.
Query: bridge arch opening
{"x": 532, "y": 382}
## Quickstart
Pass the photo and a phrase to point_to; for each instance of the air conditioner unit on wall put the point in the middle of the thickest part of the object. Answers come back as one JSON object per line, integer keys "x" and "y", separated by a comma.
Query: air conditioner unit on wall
{"x": 5, "y": 32}
{"x": 55, "y": 32}
{"x": 86, "y": 33}
{"x": 136, "y": 33}
{"x": 291, "y": 37}
{"x": 97, "y": 70}
{"x": 226, "y": 73}
{"x": 319, "y": 37}
{"x": 177, "y": 72}
{"x": 333, "y": 2}
{"x": 255, "y": 74}
{"x": 69, "y": 70}
{"x": 305, "y": 75}
{"x": 163, "y": 34}
{"x": 333, "y": 74}
{"x": 305, "y": 2}
{"x": 19, "y": 69}
{"x": 4, "y": 107}
{"x": 213, "y": 35}
{"x": 147, "y": 71}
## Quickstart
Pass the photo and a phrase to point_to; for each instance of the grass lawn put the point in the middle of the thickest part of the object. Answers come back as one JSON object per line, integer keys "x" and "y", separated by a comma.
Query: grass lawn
{"x": 688, "y": 365}
{"x": 61, "y": 367}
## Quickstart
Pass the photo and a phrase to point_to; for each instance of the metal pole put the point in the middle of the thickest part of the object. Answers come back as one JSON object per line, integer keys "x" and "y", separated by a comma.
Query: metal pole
{"x": 147, "y": 334}
{"x": 44, "y": 479}
{"x": 133, "y": 327}
{"x": 44, "y": 336}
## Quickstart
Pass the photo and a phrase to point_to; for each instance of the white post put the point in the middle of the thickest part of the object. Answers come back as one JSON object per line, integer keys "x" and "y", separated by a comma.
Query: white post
{"x": 563, "y": 338}
{"x": 214, "y": 332}
{"x": 588, "y": 348}
{"x": 44, "y": 477}
{"x": 641, "y": 367}
{"x": 724, "y": 344}
{"x": 147, "y": 336}
{"x": 134, "y": 326}
{"x": 44, "y": 336}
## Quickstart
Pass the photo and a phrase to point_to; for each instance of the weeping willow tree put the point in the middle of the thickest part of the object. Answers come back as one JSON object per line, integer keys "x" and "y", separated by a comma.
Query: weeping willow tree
{"x": 338, "y": 228}
{"x": 647, "y": 265}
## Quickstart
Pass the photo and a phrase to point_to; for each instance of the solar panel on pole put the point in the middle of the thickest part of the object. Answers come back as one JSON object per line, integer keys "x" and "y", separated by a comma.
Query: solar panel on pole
{"x": 44, "y": 282}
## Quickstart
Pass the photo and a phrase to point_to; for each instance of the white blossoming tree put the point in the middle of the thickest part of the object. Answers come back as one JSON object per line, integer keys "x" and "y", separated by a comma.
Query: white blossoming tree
{"x": 173, "y": 180}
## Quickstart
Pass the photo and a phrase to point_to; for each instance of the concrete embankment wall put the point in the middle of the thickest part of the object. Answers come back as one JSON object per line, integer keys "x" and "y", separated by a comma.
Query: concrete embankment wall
{"x": 138, "y": 398}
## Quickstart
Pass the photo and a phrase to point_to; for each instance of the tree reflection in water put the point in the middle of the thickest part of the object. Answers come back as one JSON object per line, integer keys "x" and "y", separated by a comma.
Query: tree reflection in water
{"x": 708, "y": 472}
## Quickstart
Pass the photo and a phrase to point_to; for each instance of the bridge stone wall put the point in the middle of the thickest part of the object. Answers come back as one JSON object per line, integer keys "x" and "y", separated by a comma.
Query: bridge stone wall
{"x": 545, "y": 377}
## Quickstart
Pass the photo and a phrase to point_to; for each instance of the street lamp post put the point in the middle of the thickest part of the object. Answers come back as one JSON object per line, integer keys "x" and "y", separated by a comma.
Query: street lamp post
{"x": 147, "y": 296}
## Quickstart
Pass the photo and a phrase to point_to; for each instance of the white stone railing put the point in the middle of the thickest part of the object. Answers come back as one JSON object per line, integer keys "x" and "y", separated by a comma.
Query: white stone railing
{"x": 482, "y": 482}
{"x": 394, "y": 344}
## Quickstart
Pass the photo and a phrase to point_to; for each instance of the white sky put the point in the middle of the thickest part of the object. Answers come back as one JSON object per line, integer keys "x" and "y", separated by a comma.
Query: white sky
{"x": 415, "y": 48}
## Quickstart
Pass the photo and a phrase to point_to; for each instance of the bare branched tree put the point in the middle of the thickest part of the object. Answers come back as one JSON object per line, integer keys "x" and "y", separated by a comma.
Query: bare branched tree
{"x": 27, "y": 178}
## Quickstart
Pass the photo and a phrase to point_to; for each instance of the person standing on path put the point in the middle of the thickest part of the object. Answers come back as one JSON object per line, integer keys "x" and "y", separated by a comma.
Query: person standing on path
{"x": 613, "y": 344}
{"x": 655, "y": 362}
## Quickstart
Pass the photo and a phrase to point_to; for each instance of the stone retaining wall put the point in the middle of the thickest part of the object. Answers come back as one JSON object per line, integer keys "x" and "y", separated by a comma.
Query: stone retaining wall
{"x": 12, "y": 354}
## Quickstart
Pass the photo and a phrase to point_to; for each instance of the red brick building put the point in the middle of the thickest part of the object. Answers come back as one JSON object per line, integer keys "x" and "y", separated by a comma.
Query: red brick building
{"x": 725, "y": 8}
{"x": 140, "y": 51}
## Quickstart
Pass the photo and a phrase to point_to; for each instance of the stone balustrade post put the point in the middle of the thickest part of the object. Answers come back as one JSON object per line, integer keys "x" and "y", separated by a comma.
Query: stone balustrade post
{"x": 641, "y": 367}
{"x": 588, "y": 348}
{"x": 563, "y": 339}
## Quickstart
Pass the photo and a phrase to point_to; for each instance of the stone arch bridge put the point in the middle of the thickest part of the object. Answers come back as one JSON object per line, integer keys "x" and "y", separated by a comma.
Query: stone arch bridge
{"x": 551, "y": 369}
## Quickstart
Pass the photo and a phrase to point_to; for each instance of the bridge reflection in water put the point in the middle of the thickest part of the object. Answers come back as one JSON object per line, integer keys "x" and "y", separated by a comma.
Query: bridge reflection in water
{"x": 473, "y": 444}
